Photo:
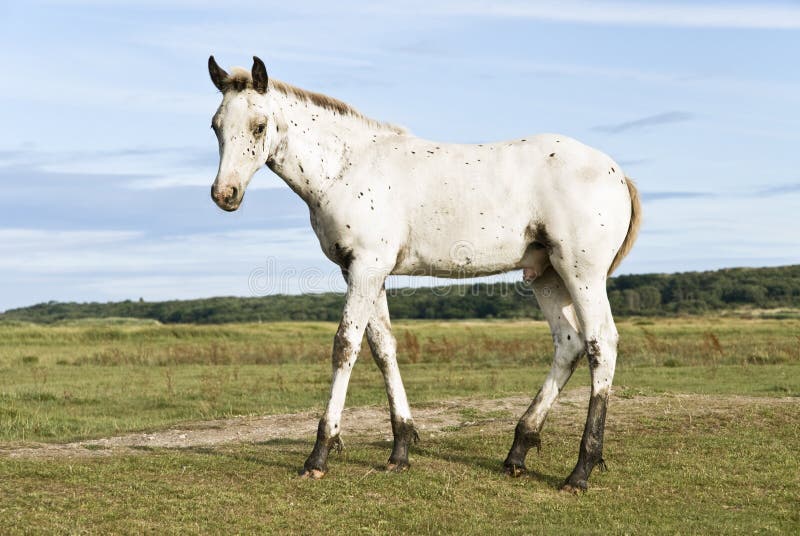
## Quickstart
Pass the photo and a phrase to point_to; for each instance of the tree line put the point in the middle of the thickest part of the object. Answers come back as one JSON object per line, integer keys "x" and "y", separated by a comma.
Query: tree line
{"x": 644, "y": 294}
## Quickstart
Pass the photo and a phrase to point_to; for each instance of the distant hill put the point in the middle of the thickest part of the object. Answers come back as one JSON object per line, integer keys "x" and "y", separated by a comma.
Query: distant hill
{"x": 647, "y": 294}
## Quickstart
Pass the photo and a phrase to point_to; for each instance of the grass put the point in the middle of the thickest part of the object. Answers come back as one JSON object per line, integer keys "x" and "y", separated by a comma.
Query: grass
{"x": 707, "y": 461}
{"x": 88, "y": 380}
{"x": 737, "y": 474}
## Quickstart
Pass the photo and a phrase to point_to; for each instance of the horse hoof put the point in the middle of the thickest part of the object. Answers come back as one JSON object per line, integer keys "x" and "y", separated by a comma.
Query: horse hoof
{"x": 574, "y": 489}
{"x": 398, "y": 467}
{"x": 312, "y": 474}
{"x": 514, "y": 470}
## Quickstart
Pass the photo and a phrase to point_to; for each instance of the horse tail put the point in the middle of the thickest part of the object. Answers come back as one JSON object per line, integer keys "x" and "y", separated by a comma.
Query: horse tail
{"x": 633, "y": 226}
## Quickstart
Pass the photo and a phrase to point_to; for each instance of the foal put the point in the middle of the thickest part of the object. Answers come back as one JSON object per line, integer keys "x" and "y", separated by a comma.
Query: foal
{"x": 385, "y": 202}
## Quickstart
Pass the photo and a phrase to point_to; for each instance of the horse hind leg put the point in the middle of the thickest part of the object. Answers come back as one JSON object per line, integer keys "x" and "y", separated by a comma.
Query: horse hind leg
{"x": 586, "y": 283}
{"x": 384, "y": 351}
{"x": 556, "y": 304}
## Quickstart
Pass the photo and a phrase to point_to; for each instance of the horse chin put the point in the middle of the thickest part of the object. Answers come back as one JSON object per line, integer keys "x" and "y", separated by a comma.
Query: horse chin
{"x": 229, "y": 207}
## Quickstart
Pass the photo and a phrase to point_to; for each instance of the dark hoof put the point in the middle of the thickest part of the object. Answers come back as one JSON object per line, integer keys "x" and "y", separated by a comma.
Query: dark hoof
{"x": 574, "y": 487}
{"x": 514, "y": 470}
{"x": 311, "y": 474}
{"x": 397, "y": 467}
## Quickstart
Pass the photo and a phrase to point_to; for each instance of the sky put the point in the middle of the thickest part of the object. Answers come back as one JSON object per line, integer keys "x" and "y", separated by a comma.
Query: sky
{"x": 106, "y": 155}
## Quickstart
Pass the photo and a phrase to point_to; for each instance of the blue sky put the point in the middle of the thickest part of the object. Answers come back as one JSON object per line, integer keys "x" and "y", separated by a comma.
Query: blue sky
{"x": 106, "y": 156}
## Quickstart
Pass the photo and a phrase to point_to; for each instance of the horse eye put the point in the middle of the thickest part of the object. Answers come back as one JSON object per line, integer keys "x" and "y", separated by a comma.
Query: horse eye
{"x": 260, "y": 129}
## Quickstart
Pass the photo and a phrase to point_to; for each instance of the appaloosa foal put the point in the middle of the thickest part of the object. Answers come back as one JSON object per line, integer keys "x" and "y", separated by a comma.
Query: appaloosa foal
{"x": 385, "y": 202}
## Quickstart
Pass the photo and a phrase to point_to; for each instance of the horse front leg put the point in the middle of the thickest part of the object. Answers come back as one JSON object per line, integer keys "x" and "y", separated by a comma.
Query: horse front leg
{"x": 363, "y": 288}
{"x": 384, "y": 351}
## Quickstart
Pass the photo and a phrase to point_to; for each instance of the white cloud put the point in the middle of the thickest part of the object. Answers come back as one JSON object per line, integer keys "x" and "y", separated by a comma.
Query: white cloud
{"x": 755, "y": 15}
{"x": 21, "y": 240}
{"x": 115, "y": 265}
{"x": 46, "y": 252}
{"x": 764, "y": 15}
{"x": 202, "y": 179}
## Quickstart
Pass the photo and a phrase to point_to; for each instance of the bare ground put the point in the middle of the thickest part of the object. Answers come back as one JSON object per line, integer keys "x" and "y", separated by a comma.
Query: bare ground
{"x": 430, "y": 419}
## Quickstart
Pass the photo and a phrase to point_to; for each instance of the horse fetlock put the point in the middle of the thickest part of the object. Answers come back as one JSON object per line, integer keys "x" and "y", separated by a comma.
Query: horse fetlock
{"x": 335, "y": 444}
{"x": 317, "y": 461}
{"x": 316, "y": 465}
{"x": 578, "y": 480}
{"x": 529, "y": 439}
{"x": 404, "y": 430}
{"x": 524, "y": 440}
{"x": 404, "y": 434}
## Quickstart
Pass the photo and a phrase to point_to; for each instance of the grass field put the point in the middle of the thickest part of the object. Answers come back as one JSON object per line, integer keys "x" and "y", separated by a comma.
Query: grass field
{"x": 703, "y": 431}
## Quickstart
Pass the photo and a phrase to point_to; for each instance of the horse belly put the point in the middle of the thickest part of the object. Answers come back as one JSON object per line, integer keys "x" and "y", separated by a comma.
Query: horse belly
{"x": 462, "y": 250}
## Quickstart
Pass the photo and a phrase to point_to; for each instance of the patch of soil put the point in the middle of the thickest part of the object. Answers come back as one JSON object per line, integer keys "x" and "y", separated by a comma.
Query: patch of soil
{"x": 374, "y": 422}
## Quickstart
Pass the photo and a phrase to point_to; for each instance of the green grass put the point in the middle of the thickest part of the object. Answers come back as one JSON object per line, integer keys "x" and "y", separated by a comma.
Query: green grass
{"x": 669, "y": 474}
{"x": 679, "y": 464}
{"x": 88, "y": 380}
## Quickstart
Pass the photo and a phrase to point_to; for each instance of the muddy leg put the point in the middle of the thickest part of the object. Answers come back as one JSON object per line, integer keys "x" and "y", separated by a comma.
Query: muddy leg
{"x": 364, "y": 286}
{"x": 556, "y": 304}
{"x": 384, "y": 351}
{"x": 600, "y": 339}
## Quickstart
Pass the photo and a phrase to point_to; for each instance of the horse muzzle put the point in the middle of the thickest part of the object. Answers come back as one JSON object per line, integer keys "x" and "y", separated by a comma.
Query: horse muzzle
{"x": 228, "y": 198}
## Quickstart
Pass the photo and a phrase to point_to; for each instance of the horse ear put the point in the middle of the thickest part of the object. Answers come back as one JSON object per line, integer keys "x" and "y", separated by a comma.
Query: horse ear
{"x": 218, "y": 74}
{"x": 259, "y": 73}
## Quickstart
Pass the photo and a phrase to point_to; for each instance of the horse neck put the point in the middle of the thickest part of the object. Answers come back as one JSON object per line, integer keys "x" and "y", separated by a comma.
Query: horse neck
{"x": 315, "y": 145}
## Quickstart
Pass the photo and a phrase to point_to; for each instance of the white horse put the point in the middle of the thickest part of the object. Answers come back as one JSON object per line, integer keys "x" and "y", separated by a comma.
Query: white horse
{"x": 385, "y": 202}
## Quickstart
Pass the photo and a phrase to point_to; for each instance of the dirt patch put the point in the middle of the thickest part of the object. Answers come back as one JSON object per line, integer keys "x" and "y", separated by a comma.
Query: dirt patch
{"x": 430, "y": 419}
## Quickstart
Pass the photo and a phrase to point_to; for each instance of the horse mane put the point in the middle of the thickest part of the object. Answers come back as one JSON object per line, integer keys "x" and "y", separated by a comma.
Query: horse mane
{"x": 240, "y": 79}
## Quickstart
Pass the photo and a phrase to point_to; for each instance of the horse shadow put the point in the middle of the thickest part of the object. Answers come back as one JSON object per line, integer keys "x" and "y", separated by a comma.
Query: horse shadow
{"x": 258, "y": 459}
{"x": 491, "y": 465}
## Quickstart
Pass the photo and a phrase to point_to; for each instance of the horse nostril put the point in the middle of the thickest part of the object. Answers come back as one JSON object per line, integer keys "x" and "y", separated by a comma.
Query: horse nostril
{"x": 234, "y": 193}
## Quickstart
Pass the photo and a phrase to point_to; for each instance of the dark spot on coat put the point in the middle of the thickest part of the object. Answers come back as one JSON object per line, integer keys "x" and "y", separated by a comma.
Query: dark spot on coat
{"x": 552, "y": 155}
